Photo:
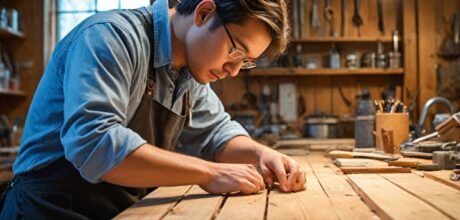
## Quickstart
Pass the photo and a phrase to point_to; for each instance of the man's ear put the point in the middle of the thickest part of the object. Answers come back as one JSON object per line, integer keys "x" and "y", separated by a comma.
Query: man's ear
{"x": 204, "y": 12}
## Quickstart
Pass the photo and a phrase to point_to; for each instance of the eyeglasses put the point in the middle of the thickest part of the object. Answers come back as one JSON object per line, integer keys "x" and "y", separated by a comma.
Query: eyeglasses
{"x": 239, "y": 55}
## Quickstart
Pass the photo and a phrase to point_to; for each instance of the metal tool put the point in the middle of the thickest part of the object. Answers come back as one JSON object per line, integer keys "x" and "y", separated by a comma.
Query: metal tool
{"x": 357, "y": 20}
{"x": 380, "y": 14}
{"x": 450, "y": 124}
{"x": 314, "y": 16}
{"x": 295, "y": 19}
{"x": 445, "y": 159}
{"x": 455, "y": 175}
{"x": 344, "y": 16}
{"x": 302, "y": 18}
{"x": 329, "y": 15}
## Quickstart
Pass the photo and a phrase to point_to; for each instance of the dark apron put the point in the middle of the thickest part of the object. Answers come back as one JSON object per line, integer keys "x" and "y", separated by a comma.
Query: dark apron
{"x": 57, "y": 191}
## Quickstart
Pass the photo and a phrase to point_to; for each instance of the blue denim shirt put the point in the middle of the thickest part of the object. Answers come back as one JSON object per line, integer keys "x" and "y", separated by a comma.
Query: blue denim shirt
{"x": 91, "y": 89}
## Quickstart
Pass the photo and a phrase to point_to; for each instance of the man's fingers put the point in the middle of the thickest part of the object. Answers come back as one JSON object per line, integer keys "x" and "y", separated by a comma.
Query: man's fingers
{"x": 300, "y": 181}
{"x": 280, "y": 173}
{"x": 248, "y": 187}
{"x": 256, "y": 179}
{"x": 293, "y": 174}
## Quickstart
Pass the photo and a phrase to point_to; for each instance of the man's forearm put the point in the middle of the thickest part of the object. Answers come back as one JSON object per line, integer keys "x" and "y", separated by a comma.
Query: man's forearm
{"x": 151, "y": 166}
{"x": 240, "y": 149}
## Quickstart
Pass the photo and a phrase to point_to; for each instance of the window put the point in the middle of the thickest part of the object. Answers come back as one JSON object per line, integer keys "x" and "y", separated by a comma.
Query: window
{"x": 72, "y": 12}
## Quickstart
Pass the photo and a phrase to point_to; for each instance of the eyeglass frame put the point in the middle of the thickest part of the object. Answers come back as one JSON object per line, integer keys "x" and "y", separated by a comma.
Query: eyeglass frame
{"x": 247, "y": 63}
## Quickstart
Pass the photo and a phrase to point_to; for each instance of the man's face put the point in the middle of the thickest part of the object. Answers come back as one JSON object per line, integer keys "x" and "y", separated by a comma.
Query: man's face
{"x": 207, "y": 53}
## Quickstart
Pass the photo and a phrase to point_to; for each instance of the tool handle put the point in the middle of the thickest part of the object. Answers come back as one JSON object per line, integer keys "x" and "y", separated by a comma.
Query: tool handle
{"x": 447, "y": 125}
{"x": 380, "y": 15}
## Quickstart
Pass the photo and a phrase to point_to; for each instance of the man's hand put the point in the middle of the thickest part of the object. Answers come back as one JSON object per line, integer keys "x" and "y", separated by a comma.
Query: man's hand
{"x": 242, "y": 178}
{"x": 277, "y": 166}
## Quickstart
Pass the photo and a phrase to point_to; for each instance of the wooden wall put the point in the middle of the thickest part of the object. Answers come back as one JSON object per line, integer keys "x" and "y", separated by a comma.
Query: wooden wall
{"x": 322, "y": 92}
{"x": 27, "y": 53}
{"x": 422, "y": 24}
{"x": 433, "y": 29}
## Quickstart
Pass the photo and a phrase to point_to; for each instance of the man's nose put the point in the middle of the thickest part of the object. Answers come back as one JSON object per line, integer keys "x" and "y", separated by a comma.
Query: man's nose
{"x": 233, "y": 68}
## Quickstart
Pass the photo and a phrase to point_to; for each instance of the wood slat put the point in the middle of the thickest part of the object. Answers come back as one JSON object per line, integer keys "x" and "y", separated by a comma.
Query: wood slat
{"x": 444, "y": 198}
{"x": 344, "y": 199}
{"x": 443, "y": 177}
{"x": 390, "y": 201}
{"x": 156, "y": 204}
{"x": 312, "y": 203}
{"x": 348, "y": 170}
{"x": 196, "y": 204}
{"x": 253, "y": 207}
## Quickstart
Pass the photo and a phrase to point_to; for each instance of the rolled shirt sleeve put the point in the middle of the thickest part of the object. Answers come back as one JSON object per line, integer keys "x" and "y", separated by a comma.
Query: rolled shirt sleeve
{"x": 97, "y": 91}
{"x": 211, "y": 126}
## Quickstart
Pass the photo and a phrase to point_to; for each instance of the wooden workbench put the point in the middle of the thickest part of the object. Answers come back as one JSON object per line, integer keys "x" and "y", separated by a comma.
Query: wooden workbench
{"x": 329, "y": 195}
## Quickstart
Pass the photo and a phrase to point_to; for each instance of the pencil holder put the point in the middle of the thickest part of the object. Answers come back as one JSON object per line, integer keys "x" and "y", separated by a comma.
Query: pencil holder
{"x": 391, "y": 130}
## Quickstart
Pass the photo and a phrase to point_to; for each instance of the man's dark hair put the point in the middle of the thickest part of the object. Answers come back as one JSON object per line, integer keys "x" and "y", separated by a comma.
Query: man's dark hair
{"x": 272, "y": 13}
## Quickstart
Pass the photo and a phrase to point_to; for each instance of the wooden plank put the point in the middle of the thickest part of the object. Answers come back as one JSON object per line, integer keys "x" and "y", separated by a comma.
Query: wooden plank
{"x": 410, "y": 52}
{"x": 348, "y": 154}
{"x": 307, "y": 142}
{"x": 244, "y": 207}
{"x": 390, "y": 201}
{"x": 323, "y": 97}
{"x": 427, "y": 53}
{"x": 344, "y": 199}
{"x": 438, "y": 195}
{"x": 312, "y": 203}
{"x": 196, "y": 204}
{"x": 349, "y": 170}
{"x": 409, "y": 162}
{"x": 156, "y": 204}
{"x": 442, "y": 176}
{"x": 296, "y": 71}
{"x": 356, "y": 162}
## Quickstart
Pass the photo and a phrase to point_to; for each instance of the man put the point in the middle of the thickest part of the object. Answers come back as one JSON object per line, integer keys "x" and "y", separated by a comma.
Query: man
{"x": 123, "y": 88}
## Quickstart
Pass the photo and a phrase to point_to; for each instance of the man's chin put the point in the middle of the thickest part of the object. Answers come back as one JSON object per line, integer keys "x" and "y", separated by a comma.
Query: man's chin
{"x": 200, "y": 80}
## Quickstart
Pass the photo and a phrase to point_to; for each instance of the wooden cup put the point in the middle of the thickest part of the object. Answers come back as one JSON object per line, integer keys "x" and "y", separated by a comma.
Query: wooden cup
{"x": 391, "y": 130}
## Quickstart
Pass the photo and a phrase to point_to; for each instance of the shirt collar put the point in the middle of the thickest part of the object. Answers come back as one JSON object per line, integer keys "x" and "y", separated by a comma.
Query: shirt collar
{"x": 161, "y": 33}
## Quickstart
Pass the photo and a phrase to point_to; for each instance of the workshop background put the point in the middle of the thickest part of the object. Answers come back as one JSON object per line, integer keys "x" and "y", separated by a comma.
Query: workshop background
{"x": 347, "y": 61}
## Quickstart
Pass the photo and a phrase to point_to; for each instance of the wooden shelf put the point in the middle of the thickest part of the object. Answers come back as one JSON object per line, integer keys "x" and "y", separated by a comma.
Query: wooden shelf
{"x": 12, "y": 93}
{"x": 8, "y": 32}
{"x": 323, "y": 72}
{"x": 341, "y": 39}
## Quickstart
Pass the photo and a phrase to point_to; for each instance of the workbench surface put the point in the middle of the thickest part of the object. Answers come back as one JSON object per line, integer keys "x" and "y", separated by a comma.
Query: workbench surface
{"x": 329, "y": 195}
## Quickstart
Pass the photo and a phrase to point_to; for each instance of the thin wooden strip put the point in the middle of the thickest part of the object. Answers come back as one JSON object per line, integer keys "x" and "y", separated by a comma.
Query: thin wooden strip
{"x": 312, "y": 203}
{"x": 444, "y": 198}
{"x": 156, "y": 204}
{"x": 345, "y": 201}
{"x": 197, "y": 204}
{"x": 442, "y": 177}
{"x": 349, "y": 170}
{"x": 390, "y": 201}
{"x": 249, "y": 207}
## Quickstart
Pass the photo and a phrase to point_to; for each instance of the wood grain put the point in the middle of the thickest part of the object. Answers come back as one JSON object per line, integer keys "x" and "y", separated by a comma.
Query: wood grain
{"x": 440, "y": 196}
{"x": 390, "y": 201}
{"x": 442, "y": 176}
{"x": 196, "y": 204}
{"x": 156, "y": 204}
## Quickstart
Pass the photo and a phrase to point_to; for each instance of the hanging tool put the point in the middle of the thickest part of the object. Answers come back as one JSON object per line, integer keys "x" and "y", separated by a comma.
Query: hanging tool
{"x": 450, "y": 46}
{"x": 295, "y": 19}
{"x": 314, "y": 16}
{"x": 344, "y": 16}
{"x": 302, "y": 19}
{"x": 357, "y": 20}
{"x": 380, "y": 14}
{"x": 329, "y": 15}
